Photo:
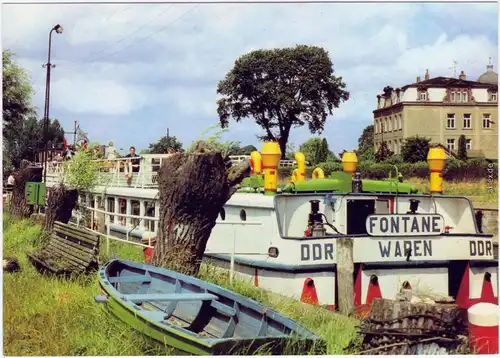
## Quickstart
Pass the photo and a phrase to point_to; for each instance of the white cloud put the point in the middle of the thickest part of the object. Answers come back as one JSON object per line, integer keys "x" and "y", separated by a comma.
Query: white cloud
{"x": 170, "y": 57}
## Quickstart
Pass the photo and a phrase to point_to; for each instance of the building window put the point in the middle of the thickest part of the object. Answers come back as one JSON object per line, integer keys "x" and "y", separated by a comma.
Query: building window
{"x": 450, "y": 123}
{"x": 422, "y": 96}
{"x": 149, "y": 211}
{"x": 486, "y": 120}
{"x": 136, "y": 210}
{"x": 464, "y": 97}
{"x": 111, "y": 208}
{"x": 385, "y": 125}
{"x": 459, "y": 96}
{"x": 451, "y": 144}
{"x": 468, "y": 144}
{"x": 493, "y": 97}
{"x": 467, "y": 123}
{"x": 400, "y": 120}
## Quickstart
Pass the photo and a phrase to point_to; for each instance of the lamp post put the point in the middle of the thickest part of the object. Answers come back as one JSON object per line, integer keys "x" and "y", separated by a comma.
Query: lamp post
{"x": 58, "y": 29}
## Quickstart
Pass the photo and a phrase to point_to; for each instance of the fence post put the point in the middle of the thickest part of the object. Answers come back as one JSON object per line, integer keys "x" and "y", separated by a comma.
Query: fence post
{"x": 345, "y": 275}
{"x": 233, "y": 249}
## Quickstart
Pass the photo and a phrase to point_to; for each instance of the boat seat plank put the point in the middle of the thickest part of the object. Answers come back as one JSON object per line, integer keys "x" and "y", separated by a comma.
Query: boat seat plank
{"x": 130, "y": 279}
{"x": 228, "y": 311}
{"x": 170, "y": 297}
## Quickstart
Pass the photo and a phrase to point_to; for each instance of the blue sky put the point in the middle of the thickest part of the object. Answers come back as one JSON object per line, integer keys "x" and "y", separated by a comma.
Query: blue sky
{"x": 127, "y": 72}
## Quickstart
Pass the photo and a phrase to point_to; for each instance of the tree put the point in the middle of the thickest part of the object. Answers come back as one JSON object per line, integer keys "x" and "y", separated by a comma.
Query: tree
{"x": 193, "y": 188}
{"x": 247, "y": 150}
{"x": 462, "y": 148}
{"x": 17, "y": 94}
{"x": 316, "y": 151}
{"x": 165, "y": 145}
{"x": 415, "y": 149}
{"x": 281, "y": 89}
{"x": 366, "y": 145}
{"x": 383, "y": 152}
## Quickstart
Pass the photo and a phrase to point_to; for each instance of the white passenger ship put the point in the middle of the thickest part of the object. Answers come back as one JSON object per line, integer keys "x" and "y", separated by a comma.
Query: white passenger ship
{"x": 285, "y": 240}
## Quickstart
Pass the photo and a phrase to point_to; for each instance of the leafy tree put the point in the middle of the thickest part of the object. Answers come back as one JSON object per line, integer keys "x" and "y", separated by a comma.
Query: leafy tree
{"x": 415, "y": 149}
{"x": 164, "y": 145}
{"x": 281, "y": 88}
{"x": 316, "y": 151}
{"x": 462, "y": 148}
{"x": 247, "y": 150}
{"x": 366, "y": 145}
{"x": 383, "y": 152}
{"x": 17, "y": 94}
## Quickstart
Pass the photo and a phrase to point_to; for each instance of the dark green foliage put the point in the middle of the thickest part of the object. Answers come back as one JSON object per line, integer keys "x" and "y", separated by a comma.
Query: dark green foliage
{"x": 316, "y": 151}
{"x": 365, "y": 144}
{"x": 165, "y": 145}
{"x": 247, "y": 150}
{"x": 462, "y": 148}
{"x": 415, "y": 149}
{"x": 383, "y": 152}
{"x": 281, "y": 88}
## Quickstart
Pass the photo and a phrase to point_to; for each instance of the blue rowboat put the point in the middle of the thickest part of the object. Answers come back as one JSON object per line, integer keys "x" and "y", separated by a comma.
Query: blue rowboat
{"x": 197, "y": 317}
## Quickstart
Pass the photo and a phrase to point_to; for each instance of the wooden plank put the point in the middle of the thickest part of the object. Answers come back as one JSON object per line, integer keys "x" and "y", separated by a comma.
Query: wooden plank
{"x": 130, "y": 279}
{"x": 226, "y": 310}
{"x": 86, "y": 256}
{"x": 170, "y": 297}
{"x": 76, "y": 238}
{"x": 83, "y": 249}
{"x": 77, "y": 231}
{"x": 72, "y": 259}
{"x": 345, "y": 275}
{"x": 74, "y": 232}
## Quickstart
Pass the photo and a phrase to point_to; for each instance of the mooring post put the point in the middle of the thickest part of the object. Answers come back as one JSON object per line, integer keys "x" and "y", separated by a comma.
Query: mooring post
{"x": 345, "y": 275}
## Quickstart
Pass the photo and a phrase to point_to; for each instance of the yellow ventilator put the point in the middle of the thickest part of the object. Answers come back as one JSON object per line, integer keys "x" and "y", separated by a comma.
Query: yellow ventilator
{"x": 349, "y": 162}
{"x": 436, "y": 160}
{"x": 256, "y": 162}
{"x": 318, "y": 173}
{"x": 271, "y": 155}
{"x": 300, "y": 172}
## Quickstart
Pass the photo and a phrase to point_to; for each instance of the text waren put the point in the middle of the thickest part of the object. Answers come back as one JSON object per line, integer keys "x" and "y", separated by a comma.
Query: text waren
{"x": 405, "y": 248}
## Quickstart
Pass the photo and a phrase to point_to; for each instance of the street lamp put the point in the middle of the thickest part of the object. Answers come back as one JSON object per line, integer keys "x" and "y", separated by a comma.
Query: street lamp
{"x": 58, "y": 29}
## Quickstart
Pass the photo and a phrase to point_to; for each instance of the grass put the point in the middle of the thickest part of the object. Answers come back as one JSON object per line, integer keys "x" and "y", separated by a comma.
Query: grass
{"x": 45, "y": 316}
{"x": 479, "y": 192}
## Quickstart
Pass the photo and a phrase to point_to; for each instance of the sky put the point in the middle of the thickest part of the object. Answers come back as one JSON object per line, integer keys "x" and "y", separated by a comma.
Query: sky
{"x": 127, "y": 72}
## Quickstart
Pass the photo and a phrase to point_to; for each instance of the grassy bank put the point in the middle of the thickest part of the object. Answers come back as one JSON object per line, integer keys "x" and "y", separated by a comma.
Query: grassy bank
{"x": 45, "y": 316}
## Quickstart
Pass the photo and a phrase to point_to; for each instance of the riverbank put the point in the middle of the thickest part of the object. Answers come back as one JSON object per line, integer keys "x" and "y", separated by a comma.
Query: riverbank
{"x": 53, "y": 317}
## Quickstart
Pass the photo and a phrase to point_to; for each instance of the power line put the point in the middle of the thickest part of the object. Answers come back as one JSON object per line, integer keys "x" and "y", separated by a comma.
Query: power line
{"x": 140, "y": 40}
{"x": 121, "y": 40}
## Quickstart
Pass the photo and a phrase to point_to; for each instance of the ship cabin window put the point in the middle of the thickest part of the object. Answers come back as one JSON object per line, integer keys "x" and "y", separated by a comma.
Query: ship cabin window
{"x": 111, "y": 208}
{"x": 98, "y": 202}
{"x": 89, "y": 200}
{"x": 149, "y": 210}
{"x": 123, "y": 210}
{"x": 357, "y": 212}
{"x": 222, "y": 214}
{"x": 136, "y": 210}
{"x": 243, "y": 215}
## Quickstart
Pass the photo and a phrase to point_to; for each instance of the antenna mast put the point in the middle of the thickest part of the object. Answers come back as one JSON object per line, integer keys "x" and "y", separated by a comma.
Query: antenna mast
{"x": 454, "y": 68}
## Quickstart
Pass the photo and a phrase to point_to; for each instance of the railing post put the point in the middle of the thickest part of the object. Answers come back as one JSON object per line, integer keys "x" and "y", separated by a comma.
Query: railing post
{"x": 233, "y": 250}
{"x": 108, "y": 233}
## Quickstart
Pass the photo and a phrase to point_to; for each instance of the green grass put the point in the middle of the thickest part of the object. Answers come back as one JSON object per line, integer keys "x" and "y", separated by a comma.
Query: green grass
{"x": 45, "y": 316}
{"x": 479, "y": 192}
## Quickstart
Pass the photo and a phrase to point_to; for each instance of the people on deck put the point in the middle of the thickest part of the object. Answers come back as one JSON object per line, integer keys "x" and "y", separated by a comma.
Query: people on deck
{"x": 135, "y": 162}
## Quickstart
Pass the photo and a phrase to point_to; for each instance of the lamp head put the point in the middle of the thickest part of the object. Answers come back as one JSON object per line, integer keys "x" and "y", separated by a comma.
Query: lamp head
{"x": 58, "y": 28}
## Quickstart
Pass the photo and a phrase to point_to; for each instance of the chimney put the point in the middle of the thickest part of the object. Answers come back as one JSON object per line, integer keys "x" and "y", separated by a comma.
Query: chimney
{"x": 426, "y": 74}
{"x": 418, "y": 79}
{"x": 462, "y": 76}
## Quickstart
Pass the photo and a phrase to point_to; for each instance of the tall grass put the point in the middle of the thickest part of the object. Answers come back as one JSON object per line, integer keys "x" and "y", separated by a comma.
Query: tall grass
{"x": 45, "y": 316}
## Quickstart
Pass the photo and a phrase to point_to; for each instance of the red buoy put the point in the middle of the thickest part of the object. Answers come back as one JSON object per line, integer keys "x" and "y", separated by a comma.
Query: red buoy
{"x": 483, "y": 328}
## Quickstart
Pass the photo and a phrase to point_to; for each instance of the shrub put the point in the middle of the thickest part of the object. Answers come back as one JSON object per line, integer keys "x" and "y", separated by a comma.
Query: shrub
{"x": 415, "y": 149}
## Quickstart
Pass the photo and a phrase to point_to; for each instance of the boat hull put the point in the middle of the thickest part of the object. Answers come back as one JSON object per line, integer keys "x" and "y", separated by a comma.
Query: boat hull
{"x": 121, "y": 305}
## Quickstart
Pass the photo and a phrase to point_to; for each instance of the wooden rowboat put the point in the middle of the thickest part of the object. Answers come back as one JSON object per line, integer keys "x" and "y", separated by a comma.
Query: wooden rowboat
{"x": 197, "y": 317}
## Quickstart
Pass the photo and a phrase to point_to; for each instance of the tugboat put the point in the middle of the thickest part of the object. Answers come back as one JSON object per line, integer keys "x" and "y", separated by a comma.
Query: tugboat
{"x": 284, "y": 239}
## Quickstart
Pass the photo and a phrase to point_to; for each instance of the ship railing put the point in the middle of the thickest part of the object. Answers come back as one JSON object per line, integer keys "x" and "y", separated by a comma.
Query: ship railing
{"x": 108, "y": 236}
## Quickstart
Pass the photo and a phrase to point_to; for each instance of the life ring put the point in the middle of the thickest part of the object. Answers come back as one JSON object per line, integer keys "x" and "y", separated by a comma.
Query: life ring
{"x": 318, "y": 173}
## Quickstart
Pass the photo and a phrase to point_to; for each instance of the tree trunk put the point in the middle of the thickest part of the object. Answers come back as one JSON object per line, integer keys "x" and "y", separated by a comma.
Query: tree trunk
{"x": 18, "y": 206}
{"x": 59, "y": 205}
{"x": 193, "y": 189}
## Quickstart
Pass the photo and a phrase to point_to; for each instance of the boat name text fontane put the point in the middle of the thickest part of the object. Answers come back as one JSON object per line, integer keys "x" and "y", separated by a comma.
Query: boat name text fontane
{"x": 409, "y": 225}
